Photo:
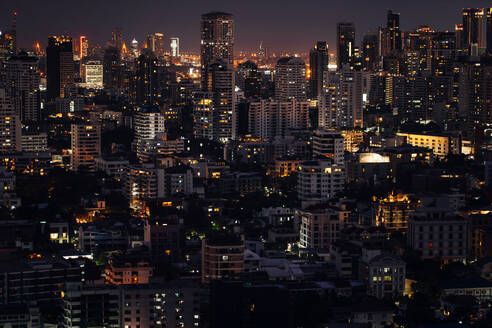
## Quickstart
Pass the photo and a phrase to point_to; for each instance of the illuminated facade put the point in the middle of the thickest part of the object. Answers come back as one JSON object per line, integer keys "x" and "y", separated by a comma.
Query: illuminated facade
{"x": 393, "y": 211}
{"x": 441, "y": 145}
{"x": 204, "y": 115}
{"x": 352, "y": 140}
{"x": 93, "y": 74}
{"x": 474, "y": 30}
{"x": 174, "y": 47}
{"x": 60, "y": 66}
{"x": 156, "y": 44}
{"x": 147, "y": 124}
{"x": 85, "y": 145}
{"x": 147, "y": 80}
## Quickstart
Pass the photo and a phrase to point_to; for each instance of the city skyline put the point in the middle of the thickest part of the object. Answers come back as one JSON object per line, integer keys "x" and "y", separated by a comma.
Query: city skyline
{"x": 316, "y": 21}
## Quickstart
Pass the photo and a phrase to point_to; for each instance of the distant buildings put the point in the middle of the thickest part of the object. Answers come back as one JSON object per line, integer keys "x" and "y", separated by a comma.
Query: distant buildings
{"x": 345, "y": 43}
{"x": 318, "y": 64}
{"x": 10, "y": 125}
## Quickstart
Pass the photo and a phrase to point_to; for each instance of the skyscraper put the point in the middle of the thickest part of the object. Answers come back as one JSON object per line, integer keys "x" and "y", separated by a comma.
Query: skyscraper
{"x": 217, "y": 40}
{"x": 345, "y": 43}
{"x": 393, "y": 26}
{"x": 117, "y": 38}
{"x": 290, "y": 79}
{"x": 10, "y": 127}
{"x": 174, "y": 47}
{"x": 23, "y": 86}
{"x": 147, "y": 81}
{"x": 14, "y": 32}
{"x": 155, "y": 43}
{"x": 86, "y": 145}
{"x": 474, "y": 37}
{"x": 370, "y": 52}
{"x": 318, "y": 64}
{"x": 220, "y": 78}
{"x": 60, "y": 66}
{"x": 83, "y": 46}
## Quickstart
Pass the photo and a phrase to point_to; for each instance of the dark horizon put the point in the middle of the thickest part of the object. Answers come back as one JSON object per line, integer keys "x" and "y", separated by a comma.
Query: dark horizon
{"x": 315, "y": 20}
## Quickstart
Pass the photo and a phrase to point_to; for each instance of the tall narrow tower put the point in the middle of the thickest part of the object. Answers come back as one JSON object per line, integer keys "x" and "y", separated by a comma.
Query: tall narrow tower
{"x": 14, "y": 32}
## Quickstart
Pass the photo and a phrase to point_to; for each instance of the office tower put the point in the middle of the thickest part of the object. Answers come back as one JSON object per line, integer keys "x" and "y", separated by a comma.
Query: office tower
{"x": 85, "y": 145}
{"x": 217, "y": 41}
{"x": 23, "y": 79}
{"x": 93, "y": 74}
{"x": 155, "y": 43}
{"x": 148, "y": 123}
{"x": 10, "y": 126}
{"x": 460, "y": 37}
{"x": 60, "y": 66}
{"x": 444, "y": 46}
{"x": 328, "y": 144}
{"x": 474, "y": 37}
{"x": 393, "y": 26}
{"x": 174, "y": 47}
{"x": 290, "y": 79}
{"x": 222, "y": 257}
{"x": 369, "y": 52}
{"x": 318, "y": 64}
{"x": 345, "y": 43}
{"x": 111, "y": 67}
{"x": 83, "y": 47}
{"x": 147, "y": 79}
{"x": 117, "y": 38}
{"x": 269, "y": 119}
{"x": 220, "y": 81}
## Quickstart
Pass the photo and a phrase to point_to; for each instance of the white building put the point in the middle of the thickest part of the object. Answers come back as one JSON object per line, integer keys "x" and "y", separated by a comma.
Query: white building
{"x": 318, "y": 181}
{"x": 147, "y": 124}
{"x": 174, "y": 47}
{"x": 113, "y": 167}
{"x": 328, "y": 144}
{"x": 93, "y": 74}
{"x": 34, "y": 142}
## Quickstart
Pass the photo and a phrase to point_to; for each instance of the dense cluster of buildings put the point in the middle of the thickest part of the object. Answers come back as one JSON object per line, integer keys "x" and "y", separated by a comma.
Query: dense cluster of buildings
{"x": 144, "y": 187}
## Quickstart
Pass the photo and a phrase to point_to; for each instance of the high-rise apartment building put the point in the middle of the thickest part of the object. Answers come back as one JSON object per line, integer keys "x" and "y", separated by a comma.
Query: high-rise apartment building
{"x": 318, "y": 64}
{"x": 269, "y": 119}
{"x": 328, "y": 144}
{"x": 10, "y": 126}
{"x": 60, "y": 66}
{"x": 345, "y": 43}
{"x": 86, "y": 145}
{"x": 290, "y": 79}
{"x": 147, "y": 124}
{"x": 369, "y": 52}
{"x": 23, "y": 78}
{"x": 117, "y": 38}
{"x": 217, "y": 40}
{"x": 83, "y": 47}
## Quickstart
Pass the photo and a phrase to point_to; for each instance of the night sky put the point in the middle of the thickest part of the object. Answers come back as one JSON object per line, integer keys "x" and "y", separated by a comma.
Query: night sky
{"x": 282, "y": 25}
